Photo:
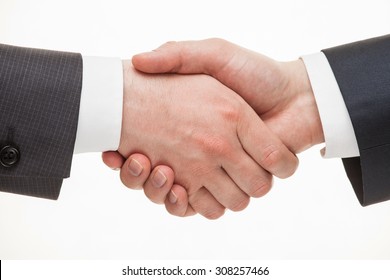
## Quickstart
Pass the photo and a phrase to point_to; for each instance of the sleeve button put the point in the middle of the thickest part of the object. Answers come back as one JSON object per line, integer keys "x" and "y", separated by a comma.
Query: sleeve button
{"x": 9, "y": 156}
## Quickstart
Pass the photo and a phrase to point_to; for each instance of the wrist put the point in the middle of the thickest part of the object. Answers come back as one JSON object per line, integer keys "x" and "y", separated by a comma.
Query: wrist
{"x": 300, "y": 87}
{"x": 127, "y": 82}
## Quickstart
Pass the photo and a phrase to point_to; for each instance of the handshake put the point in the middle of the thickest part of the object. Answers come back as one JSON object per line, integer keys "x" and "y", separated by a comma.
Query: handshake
{"x": 207, "y": 124}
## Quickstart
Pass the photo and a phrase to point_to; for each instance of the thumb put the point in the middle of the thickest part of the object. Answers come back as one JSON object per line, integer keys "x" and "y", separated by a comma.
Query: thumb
{"x": 186, "y": 57}
{"x": 162, "y": 60}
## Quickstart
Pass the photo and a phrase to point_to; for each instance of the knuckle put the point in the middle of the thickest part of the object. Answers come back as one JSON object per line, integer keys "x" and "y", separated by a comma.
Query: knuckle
{"x": 216, "y": 41}
{"x": 214, "y": 213}
{"x": 240, "y": 204}
{"x": 215, "y": 146}
{"x": 271, "y": 157}
{"x": 207, "y": 208}
{"x": 231, "y": 114}
{"x": 197, "y": 171}
{"x": 260, "y": 186}
{"x": 168, "y": 44}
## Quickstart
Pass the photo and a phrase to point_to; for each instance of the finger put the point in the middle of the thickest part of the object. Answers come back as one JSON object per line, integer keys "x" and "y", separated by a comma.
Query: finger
{"x": 204, "y": 203}
{"x": 226, "y": 191}
{"x": 246, "y": 173}
{"x": 135, "y": 171}
{"x": 159, "y": 184}
{"x": 265, "y": 147}
{"x": 206, "y": 56}
{"x": 113, "y": 159}
{"x": 177, "y": 203}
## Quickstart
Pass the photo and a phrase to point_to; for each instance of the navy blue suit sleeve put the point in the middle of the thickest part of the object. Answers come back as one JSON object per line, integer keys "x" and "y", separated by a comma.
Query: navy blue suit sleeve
{"x": 362, "y": 71}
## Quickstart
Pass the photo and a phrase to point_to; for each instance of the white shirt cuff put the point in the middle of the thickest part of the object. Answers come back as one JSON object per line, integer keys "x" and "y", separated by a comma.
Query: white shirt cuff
{"x": 340, "y": 139}
{"x": 100, "y": 115}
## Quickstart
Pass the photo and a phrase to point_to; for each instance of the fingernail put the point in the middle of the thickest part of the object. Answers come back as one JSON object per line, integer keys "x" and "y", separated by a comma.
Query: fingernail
{"x": 172, "y": 197}
{"x": 116, "y": 169}
{"x": 135, "y": 168}
{"x": 159, "y": 179}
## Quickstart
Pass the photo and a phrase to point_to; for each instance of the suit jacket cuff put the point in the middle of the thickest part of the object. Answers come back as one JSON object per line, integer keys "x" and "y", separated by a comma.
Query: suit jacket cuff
{"x": 362, "y": 70}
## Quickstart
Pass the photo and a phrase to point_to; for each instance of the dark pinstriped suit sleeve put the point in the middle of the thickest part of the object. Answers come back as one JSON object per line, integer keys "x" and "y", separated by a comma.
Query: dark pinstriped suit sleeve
{"x": 362, "y": 70}
{"x": 39, "y": 106}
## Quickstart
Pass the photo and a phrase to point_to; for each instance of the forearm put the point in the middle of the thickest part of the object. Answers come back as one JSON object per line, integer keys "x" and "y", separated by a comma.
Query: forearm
{"x": 40, "y": 97}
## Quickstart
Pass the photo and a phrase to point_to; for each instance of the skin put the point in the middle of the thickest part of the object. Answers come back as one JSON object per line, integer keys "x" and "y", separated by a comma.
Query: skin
{"x": 220, "y": 149}
{"x": 279, "y": 92}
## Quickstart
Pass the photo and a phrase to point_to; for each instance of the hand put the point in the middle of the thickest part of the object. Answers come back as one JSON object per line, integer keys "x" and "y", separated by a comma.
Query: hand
{"x": 279, "y": 92}
{"x": 136, "y": 174}
{"x": 219, "y": 148}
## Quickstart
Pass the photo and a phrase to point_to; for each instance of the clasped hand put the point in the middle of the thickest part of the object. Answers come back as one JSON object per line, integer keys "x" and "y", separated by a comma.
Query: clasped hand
{"x": 205, "y": 142}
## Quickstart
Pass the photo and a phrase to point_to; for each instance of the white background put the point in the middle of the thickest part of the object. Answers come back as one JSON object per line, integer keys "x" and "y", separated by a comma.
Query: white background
{"x": 313, "y": 215}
